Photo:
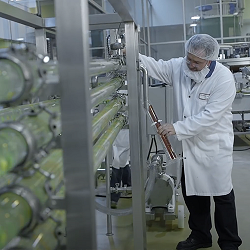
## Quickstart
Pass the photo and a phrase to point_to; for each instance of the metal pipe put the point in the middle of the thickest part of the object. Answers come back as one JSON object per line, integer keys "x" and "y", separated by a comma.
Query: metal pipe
{"x": 148, "y": 30}
{"x": 105, "y": 142}
{"x": 145, "y": 86}
{"x": 221, "y": 22}
{"x": 184, "y": 21}
{"x": 143, "y": 26}
{"x": 108, "y": 195}
{"x": 101, "y": 120}
{"x": 17, "y": 209}
{"x": 100, "y": 93}
{"x": 101, "y": 66}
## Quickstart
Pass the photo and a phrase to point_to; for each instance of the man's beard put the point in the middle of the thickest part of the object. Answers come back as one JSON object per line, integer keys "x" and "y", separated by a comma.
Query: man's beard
{"x": 197, "y": 76}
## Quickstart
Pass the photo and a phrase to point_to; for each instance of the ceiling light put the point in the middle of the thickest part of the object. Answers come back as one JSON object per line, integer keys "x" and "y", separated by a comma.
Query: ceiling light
{"x": 195, "y": 17}
{"x": 193, "y": 24}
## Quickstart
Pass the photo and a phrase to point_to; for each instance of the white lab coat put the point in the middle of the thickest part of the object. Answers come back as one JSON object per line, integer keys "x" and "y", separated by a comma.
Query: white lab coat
{"x": 121, "y": 149}
{"x": 203, "y": 124}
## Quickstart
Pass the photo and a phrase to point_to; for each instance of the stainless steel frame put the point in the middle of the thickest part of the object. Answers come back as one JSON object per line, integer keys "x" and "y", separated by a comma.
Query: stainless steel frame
{"x": 76, "y": 116}
{"x": 41, "y": 43}
{"x": 135, "y": 136}
{"x": 20, "y": 16}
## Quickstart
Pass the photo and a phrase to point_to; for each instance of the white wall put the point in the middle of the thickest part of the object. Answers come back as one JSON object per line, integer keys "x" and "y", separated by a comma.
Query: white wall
{"x": 169, "y": 12}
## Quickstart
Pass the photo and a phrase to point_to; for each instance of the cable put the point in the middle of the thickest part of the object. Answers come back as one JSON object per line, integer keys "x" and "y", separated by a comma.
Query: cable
{"x": 149, "y": 151}
{"x": 245, "y": 148}
{"x": 121, "y": 197}
{"x": 108, "y": 45}
{"x": 241, "y": 149}
{"x": 153, "y": 140}
{"x": 247, "y": 138}
{"x": 155, "y": 144}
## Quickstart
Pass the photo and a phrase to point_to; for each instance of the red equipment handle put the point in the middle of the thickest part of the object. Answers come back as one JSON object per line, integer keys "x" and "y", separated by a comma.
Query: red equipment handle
{"x": 165, "y": 140}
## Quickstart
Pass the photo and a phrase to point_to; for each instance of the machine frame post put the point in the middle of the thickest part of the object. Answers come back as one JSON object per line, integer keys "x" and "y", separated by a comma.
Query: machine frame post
{"x": 73, "y": 58}
{"x": 135, "y": 136}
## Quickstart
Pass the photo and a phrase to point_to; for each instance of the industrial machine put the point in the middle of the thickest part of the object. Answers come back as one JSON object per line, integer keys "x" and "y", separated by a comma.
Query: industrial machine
{"x": 32, "y": 178}
{"x": 32, "y": 184}
{"x": 240, "y": 67}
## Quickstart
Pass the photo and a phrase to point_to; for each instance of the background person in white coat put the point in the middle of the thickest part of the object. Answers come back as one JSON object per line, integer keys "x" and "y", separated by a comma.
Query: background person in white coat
{"x": 121, "y": 173}
{"x": 203, "y": 94}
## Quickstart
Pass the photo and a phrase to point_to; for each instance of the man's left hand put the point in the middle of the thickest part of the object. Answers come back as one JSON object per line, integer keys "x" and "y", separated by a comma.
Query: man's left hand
{"x": 166, "y": 129}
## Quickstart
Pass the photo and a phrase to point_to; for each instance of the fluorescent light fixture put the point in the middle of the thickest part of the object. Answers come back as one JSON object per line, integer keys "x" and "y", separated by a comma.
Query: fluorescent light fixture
{"x": 20, "y": 39}
{"x": 195, "y": 17}
{"x": 46, "y": 59}
{"x": 193, "y": 24}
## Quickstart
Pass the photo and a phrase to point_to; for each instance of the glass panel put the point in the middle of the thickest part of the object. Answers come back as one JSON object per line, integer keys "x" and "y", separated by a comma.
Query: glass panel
{"x": 204, "y": 17}
{"x": 22, "y": 33}
{"x": 26, "y": 5}
{"x": 168, "y": 51}
{"x": 97, "y": 41}
{"x": 5, "y": 30}
{"x": 166, "y": 33}
{"x": 13, "y": 31}
{"x": 167, "y": 22}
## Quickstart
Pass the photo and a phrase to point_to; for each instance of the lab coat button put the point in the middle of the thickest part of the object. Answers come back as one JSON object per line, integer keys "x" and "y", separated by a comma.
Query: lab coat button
{"x": 189, "y": 96}
{"x": 185, "y": 116}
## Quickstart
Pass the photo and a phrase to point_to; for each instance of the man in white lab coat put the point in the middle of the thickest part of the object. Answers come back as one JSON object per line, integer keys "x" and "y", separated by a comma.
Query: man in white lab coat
{"x": 203, "y": 94}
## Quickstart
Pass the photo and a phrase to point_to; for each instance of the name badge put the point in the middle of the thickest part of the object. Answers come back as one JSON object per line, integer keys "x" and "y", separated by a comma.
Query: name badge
{"x": 203, "y": 96}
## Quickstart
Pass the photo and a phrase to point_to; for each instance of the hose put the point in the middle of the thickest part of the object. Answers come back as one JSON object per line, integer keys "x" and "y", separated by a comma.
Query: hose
{"x": 156, "y": 162}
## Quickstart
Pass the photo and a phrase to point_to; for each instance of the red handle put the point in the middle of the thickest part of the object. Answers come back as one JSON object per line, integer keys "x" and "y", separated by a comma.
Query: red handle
{"x": 164, "y": 138}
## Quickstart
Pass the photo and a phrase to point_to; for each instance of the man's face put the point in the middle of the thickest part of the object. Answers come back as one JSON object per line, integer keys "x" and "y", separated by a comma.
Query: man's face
{"x": 195, "y": 63}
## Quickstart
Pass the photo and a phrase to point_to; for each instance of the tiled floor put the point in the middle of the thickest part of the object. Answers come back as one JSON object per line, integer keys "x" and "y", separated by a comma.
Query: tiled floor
{"x": 166, "y": 237}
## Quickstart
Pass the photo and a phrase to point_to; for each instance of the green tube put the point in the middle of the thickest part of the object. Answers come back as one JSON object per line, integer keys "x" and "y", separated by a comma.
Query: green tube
{"x": 13, "y": 149}
{"x": 7, "y": 179}
{"x": 11, "y": 80}
{"x": 104, "y": 143}
{"x": 20, "y": 74}
{"x": 13, "y": 146}
{"x": 14, "y": 152}
{"x": 100, "y": 66}
{"x": 51, "y": 164}
{"x": 101, "y": 120}
{"x": 12, "y": 114}
{"x": 100, "y": 93}
{"x": 20, "y": 77}
{"x": 17, "y": 213}
{"x": 44, "y": 236}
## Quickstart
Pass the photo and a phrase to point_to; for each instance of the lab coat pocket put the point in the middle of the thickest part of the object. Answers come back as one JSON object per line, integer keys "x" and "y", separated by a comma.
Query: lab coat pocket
{"x": 206, "y": 145}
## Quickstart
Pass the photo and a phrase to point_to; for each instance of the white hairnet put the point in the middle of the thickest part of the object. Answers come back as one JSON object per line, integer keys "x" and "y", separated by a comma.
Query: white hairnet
{"x": 203, "y": 46}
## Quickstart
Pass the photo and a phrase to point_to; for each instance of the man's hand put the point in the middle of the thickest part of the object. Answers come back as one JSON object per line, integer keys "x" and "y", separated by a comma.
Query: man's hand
{"x": 166, "y": 129}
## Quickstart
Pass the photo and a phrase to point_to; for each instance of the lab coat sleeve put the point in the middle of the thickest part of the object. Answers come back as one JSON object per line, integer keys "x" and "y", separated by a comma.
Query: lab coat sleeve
{"x": 159, "y": 70}
{"x": 220, "y": 102}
